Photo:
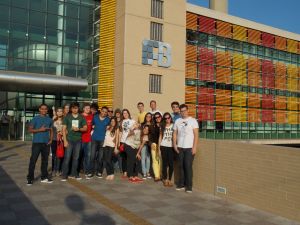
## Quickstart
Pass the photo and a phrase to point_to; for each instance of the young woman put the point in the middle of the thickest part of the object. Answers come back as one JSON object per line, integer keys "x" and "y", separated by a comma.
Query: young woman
{"x": 118, "y": 115}
{"x": 57, "y": 141}
{"x": 111, "y": 137}
{"x": 131, "y": 146}
{"x": 166, "y": 149}
{"x": 144, "y": 152}
{"x": 117, "y": 160}
{"x": 155, "y": 152}
{"x": 66, "y": 109}
{"x": 148, "y": 120}
{"x": 126, "y": 124}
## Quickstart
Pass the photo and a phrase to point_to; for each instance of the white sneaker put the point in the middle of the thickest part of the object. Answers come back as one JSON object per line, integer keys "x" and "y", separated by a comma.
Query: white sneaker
{"x": 47, "y": 181}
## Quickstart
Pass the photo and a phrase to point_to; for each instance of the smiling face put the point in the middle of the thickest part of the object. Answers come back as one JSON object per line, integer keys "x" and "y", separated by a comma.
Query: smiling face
{"x": 184, "y": 112}
{"x": 59, "y": 113}
{"x": 43, "y": 110}
{"x": 87, "y": 109}
{"x": 146, "y": 130}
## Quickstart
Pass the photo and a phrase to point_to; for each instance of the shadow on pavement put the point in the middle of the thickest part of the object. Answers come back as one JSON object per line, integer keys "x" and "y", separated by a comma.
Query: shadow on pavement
{"x": 76, "y": 204}
{"x": 15, "y": 207}
{"x": 3, "y": 149}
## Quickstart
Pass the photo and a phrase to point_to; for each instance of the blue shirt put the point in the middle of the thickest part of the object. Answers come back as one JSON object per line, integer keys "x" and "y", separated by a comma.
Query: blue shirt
{"x": 175, "y": 116}
{"x": 99, "y": 128}
{"x": 36, "y": 123}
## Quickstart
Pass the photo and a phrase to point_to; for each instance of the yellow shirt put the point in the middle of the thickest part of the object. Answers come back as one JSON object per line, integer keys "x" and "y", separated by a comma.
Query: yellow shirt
{"x": 141, "y": 117}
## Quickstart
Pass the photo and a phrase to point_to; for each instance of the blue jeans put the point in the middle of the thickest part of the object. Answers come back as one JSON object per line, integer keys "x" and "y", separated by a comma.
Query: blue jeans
{"x": 97, "y": 162}
{"x": 87, "y": 149}
{"x": 71, "y": 152}
{"x": 145, "y": 155}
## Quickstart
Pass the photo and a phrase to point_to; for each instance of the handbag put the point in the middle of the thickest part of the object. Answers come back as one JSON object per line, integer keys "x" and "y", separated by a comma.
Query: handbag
{"x": 60, "y": 150}
{"x": 121, "y": 148}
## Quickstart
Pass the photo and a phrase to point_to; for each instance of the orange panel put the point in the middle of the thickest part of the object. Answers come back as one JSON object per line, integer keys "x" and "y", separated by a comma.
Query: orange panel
{"x": 254, "y": 100}
{"x": 280, "y": 43}
{"x": 239, "y": 33}
{"x": 254, "y": 115}
{"x": 280, "y": 82}
{"x": 254, "y": 64}
{"x": 224, "y": 29}
{"x": 223, "y": 113}
{"x": 280, "y": 69}
{"x": 191, "y": 94}
{"x": 192, "y": 110}
{"x": 280, "y": 116}
{"x": 223, "y": 97}
{"x": 223, "y": 59}
{"x": 191, "y": 21}
{"x": 191, "y": 53}
{"x": 254, "y": 79}
{"x": 254, "y": 36}
{"x": 191, "y": 70}
{"x": 239, "y": 114}
{"x": 223, "y": 75}
{"x": 280, "y": 102}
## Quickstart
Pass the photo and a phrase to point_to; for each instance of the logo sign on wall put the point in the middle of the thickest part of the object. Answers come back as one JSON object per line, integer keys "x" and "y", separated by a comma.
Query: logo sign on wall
{"x": 156, "y": 50}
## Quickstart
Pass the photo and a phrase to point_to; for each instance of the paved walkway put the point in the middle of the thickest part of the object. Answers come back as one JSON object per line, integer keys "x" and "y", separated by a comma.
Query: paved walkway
{"x": 119, "y": 202}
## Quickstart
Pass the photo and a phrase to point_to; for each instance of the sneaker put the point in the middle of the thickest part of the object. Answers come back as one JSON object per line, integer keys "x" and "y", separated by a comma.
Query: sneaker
{"x": 99, "y": 175}
{"x": 29, "y": 182}
{"x": 72, "y": 177}
{"x": 149, "y": 176}
{"x": 137, "y": 179}
{"x": 63, "y": 179}
{"x": 189, "y": 191}
{"x": 179, "y": 188}
{"x": 78, "y": 178}
{"x": 89, "y": 176}
{"x": 144, "y": 177}
{"x": 47, "y": 181}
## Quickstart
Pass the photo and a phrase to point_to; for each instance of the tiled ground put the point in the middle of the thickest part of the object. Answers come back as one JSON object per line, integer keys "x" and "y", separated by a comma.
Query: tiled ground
{"x": 76, "y": 203}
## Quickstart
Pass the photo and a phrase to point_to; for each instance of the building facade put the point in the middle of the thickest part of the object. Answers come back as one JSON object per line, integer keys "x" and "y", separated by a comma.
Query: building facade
{"x": 239, "y": 78}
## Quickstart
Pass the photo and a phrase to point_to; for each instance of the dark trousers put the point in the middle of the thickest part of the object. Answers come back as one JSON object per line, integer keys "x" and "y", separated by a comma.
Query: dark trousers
{"x": 55, "y": 161}
{"x": 87, "y": 149}
{"x": 97, "y": 157}
{"x": 36, "y": 149}
{"x": 167, "y": 154}
{"x": 107, "y": 154}
{"x": 133, "y": 165}
{"x": 124, "y": 159}
{"x": 71, "y": 153}
{"x": 185, "y": 168}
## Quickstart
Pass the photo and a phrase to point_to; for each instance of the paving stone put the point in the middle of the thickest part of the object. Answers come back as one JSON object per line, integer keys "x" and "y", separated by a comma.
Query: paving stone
{"x": 186, "y": 218}
{"x": 150, "y": 213}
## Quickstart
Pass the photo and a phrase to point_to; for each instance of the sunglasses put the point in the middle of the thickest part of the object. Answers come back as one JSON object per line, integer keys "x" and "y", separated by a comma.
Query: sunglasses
{"x": 157, "y": 117}
{"x": 110, "y": 111}
{"x": 167, "y": 118}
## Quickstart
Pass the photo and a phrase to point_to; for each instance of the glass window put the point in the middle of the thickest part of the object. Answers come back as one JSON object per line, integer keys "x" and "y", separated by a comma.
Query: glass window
{"x": 51, "y": 54}
{"x": 55, "y": 21}
{"x": 52, "y": 36}
{"x": 18, "y": 3}
{"x": 50, "y": 68}
{"x": 37, "y": 19}
{"x": 3, "y": 63}
{"x": 72, "y": 10}
{"x": 35, "y": 66}
{"x": 17, "y": 48}
{"x": 71, "y": 39}
{"x": 156, "y": 31}
{"x": 71, "y": 25}
{"x": 202, "y": 39}
{"x": 69, "y": 70}
{"x": 157, "y": 8}
{"x": 4, "y": 15}
{"x": 17, "y": 64}
{"x": 85, "y": 14}
{"x": 155, "y": 82}
{"x": 70, "y": 55}
{"x": 39, "y": 5}
{"x": 36, "y": 51}
{"x": 37, "y": 34}
{"x": 82, "y": 72}
{"x": 84, "y": 27}
{"x": 19, "y": 15}
{"x": 19, "y": 31}
{"x": 53, "y": 7}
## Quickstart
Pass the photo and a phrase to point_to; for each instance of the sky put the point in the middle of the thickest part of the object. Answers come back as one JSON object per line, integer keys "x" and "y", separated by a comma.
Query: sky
{"x": 282, "y": 14}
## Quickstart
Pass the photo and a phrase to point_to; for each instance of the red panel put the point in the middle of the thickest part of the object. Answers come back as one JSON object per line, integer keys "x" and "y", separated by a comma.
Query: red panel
{"x": 268, "y": 40}
{"x": 207, "y": 25}
{"x": 267, "y": 67}
{"x": 267, "y": 116}
{"x": 206, "y": 72}
{"x": 268, "y": 74}
{"x": 268, "y": 80}
{"x": 206, "y": 96}
{"x": 267, "y": 101}
{"x": 206, "y": 55}
{"x": 206, "y": 113}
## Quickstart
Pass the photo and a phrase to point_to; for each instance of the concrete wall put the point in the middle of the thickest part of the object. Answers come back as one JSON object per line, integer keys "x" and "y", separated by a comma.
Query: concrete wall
{"x": 261, "y": 176}
{"x": 131, "y": 76}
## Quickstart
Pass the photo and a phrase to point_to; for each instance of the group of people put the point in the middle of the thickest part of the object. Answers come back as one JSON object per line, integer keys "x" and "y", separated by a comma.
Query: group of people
{"x": 94, "y": 140}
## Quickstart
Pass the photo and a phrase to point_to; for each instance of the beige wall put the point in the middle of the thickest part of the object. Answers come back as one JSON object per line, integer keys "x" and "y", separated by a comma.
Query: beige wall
{"x": 131, "y": 77}
{"x": 261, "y": 176}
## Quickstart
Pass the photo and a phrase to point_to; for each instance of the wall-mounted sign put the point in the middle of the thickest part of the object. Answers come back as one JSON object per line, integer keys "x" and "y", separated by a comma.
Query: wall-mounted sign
{"x": 156, "y": 50}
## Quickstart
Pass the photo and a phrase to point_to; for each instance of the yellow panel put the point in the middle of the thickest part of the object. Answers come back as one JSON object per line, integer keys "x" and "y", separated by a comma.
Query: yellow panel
{"x": 292, "y": 84}
{"x": 292, "y": 71}
{"x": 239, "y": 77}
{"x": 107, "y": 53}
{"x": 239, "y": 114}
{"x": 293, "y": 117}
{"x": 292, "y": 46}
{"x": 239, "y": 33}
{"x": 239, "y": 98}
{"x": 292, "y": 103}
{"x": 239, "y": 61}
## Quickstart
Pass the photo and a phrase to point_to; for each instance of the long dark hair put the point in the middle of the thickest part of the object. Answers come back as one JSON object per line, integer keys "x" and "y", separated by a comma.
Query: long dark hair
{"x": 142, "y": 131}
{"x": 113, "y": 131}
{"x": 145, "y": 120}
{"x": 127, "y": 112}
{"x": 163, "y": 122}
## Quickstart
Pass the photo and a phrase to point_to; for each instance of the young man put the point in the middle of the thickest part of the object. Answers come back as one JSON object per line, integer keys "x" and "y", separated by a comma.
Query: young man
{"x": 153, "y": 107}
{"x": 41, "y": 127}
{"x": 87, "y": 138}
{"x": 94, "y": 108}
{"x": 73, "y": 125}
{"x": 185, "y": 139}
{"x": 100, "y": 122}
{"x": 176, "y": 112}
{"x": 142, "y": 113}
{"x": 110, "y": 112}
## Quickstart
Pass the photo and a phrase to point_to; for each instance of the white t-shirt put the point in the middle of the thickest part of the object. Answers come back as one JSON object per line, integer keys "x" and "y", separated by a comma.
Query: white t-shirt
{"x": 167, "y": 137}
{"x": 109, "y": 140}
{"x": 185, "y": 134}
{"x": 134, "y": 140}
{"x": 155, "y": 111}
{"x": 126, "y": 126}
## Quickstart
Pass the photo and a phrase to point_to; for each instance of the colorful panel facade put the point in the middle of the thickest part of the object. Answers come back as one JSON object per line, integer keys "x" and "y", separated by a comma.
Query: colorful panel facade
{"x": 247, "y": 81}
